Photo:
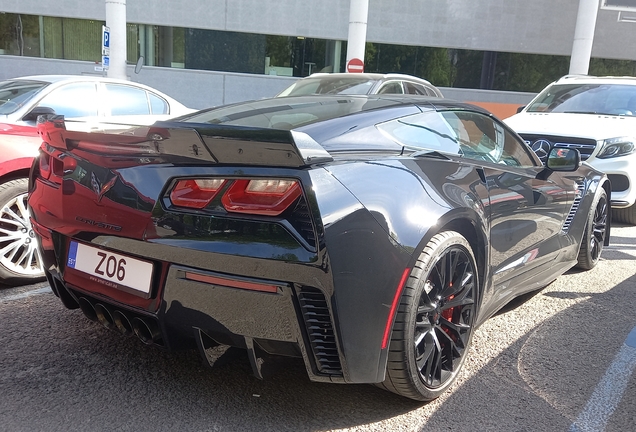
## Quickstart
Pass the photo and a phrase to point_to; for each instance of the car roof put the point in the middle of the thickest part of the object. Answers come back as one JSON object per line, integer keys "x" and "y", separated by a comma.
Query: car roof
{"x": 61, "y": 78}
{"x": 369, "y": 76}
{"x": 588, "y": 79}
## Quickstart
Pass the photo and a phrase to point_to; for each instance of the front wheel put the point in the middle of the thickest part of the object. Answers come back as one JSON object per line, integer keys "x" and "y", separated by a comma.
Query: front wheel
{"x": 595, "y": 231}
{"x": 435, "y": 320}
{"x": 20, "y": 259}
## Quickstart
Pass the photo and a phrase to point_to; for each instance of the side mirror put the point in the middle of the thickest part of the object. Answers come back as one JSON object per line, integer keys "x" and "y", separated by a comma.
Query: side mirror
{"x": 520, "y": 108}
{"x": 563, "y": 159}
{"x": 38, "y": 111}
{"x": 139, "y": 65}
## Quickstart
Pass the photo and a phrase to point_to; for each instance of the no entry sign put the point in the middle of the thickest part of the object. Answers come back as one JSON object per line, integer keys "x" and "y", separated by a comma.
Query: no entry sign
{"x": 355, "y": 65}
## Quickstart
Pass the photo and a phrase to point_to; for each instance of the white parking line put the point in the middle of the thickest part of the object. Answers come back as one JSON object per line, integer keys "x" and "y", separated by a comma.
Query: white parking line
{"x": 609, "y": 391}
{"x": 44, "y": 290}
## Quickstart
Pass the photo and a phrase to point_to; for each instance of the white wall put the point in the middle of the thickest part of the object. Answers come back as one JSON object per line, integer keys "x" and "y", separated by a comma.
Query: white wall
{"x": 525, "y": 26}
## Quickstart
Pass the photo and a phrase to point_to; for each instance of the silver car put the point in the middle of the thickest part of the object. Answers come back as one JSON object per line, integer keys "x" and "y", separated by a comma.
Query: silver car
{"x": 361, "y": 84}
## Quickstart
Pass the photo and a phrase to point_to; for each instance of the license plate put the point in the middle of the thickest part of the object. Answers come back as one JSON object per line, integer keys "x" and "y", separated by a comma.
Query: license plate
{"x": 111, "y": 269}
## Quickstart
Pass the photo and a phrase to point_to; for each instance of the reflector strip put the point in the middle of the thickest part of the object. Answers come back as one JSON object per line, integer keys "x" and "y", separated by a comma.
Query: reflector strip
{"x": 394, "y": 305}
{"x": 232, "y": 283}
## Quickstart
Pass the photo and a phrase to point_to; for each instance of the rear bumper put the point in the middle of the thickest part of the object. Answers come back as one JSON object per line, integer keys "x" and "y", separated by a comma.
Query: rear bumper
{"x": 294, "y": 321}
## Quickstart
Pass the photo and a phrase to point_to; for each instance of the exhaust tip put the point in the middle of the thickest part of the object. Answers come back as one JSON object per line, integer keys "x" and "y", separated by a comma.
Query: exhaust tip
{"x": 88, "y": 309}
{"x": 146, "y": 331}
{"x": 104, "y": 316}
{"x": 123, "y": 323}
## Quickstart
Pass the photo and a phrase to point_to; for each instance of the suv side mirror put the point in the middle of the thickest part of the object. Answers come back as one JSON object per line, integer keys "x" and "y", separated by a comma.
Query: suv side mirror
{"x": 520, "y": 108}
{"x": 38, "y": 111}
{"x": 563, "y": 159}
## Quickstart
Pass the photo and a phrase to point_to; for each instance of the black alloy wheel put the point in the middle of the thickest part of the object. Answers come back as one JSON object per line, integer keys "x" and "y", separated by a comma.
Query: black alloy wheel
{"x": 436, "y": 319}
{"x": 595, "y": 231}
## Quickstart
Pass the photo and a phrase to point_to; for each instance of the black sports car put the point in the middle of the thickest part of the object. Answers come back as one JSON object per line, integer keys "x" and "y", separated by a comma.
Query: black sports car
{"x": 368, "y": 236}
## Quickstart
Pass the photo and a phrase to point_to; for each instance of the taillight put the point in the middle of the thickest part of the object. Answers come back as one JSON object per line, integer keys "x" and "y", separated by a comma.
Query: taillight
{"x": 269, "y": 197}
{"x": 195, "y": 193}
{"x": 53, "y": 168}
{"x": 44, "y": 165}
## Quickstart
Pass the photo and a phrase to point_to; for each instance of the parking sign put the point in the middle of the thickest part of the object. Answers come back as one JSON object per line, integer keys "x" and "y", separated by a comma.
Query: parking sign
{"x": 105, "y": 41}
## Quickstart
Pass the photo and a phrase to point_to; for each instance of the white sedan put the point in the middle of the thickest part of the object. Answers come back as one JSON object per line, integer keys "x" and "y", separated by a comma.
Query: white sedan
{"x": 90, "y": 103}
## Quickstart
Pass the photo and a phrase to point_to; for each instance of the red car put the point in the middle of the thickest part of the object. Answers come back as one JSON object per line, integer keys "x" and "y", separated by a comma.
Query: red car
{"x": 93, "y": 101}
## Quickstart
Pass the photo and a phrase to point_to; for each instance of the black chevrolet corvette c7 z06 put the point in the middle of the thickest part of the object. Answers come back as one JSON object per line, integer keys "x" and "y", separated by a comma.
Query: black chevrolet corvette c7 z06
{"x": 367, "y": 235}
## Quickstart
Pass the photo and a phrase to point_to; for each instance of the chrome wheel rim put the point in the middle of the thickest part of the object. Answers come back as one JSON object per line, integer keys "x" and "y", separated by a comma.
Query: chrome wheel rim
{"x": 19, "y": 252}
{"x": 445, "y": 318}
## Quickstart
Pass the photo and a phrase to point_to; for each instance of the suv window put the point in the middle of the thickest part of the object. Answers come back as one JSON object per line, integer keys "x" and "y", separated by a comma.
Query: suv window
{"x": 391, "y": 87}
{"x": 124, "y": 100}
{"x": 73, "y": 100}
{"x": 417, "y": 89}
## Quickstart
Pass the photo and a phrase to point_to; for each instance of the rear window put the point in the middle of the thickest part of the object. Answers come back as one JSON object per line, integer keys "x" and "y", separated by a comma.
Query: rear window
{"x": 329, "y": 85}
{"x": 14, "y": 94}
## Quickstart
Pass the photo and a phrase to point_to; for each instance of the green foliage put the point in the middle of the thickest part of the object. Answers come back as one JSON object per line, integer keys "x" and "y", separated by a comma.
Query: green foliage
{"x": 607, "y": 67}
{"x": 528, "y": 72}
{"x": 19, "y": 34}
{"x": 278, "y": 49}
{"x": 432, "y": 64}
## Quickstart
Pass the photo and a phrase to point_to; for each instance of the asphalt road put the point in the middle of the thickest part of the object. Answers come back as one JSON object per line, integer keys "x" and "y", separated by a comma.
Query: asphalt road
{"x": 560, "y": 359}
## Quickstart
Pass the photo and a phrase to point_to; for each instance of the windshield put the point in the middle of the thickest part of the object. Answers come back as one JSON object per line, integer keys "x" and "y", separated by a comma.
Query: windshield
{"x": 611, "y": 99}
{"x": 14, "y": 94}
{"x": 329, "y": 85}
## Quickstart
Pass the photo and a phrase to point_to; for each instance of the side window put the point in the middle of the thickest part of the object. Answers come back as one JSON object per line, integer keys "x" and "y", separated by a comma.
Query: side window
{"x": 158, "y": 105}
{"x": 484, "y": 139}
{"x": 125, "y": 100}
{"x": 428, "y": 131}
{"x": 392, "y": 87}
{"x": 416, "y": 89}
{"x": 73, "y": 100}
{"x": 432, "y": 92}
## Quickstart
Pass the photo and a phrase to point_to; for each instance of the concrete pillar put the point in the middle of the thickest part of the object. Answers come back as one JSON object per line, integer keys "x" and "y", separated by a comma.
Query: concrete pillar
{"x": 584, "y": 37}
{"x": 358, "y": 14}
{"x": 116, "y": 21}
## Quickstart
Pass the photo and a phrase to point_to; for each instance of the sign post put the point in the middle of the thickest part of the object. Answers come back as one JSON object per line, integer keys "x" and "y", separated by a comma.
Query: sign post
{"x": 356, "y": 41}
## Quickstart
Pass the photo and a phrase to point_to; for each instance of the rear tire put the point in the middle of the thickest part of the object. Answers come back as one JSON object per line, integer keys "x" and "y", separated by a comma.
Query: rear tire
{"x": 436, "y": 316}
{"x": 595, "y": 231}
{"x": 625, "y": 215}
{"x": 20, "y": 259}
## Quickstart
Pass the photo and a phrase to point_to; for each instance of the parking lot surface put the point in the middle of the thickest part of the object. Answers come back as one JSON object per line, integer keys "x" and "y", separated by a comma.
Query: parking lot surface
{"x": 559, "y": 359}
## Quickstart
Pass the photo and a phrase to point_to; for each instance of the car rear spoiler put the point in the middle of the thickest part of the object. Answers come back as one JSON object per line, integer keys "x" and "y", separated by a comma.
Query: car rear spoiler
{"x": 180, "y": 142}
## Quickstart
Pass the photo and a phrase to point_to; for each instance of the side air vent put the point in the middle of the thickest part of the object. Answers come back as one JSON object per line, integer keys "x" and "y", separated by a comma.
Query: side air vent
{"x": 301, "y": 220}
{"x": 320, "y": 330}
{"x": 575, "y": 207}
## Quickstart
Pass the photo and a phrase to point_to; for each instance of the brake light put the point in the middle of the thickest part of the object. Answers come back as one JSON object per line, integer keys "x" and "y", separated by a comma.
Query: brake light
{"x": 268, "y": 197}
{"x": 195, "y": 193}
{"x": 44, "y": 165}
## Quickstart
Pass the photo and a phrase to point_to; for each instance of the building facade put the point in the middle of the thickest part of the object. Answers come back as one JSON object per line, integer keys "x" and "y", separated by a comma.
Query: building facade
{"x": 210, "y": 52}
